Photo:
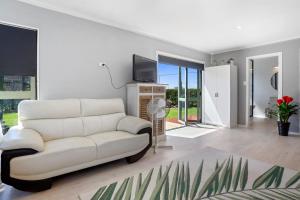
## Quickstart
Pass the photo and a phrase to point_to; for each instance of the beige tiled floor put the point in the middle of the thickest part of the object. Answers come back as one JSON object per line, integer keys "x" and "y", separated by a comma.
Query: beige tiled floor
{"x": 260, "y": 142}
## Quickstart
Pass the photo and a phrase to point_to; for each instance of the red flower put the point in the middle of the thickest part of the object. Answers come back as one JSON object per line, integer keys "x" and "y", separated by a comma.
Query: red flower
{"x": 279, "y": 102}
{"x": 287, "y": 99}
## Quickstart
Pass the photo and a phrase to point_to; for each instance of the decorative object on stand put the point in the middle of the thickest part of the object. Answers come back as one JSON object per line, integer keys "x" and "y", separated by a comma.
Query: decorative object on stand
{"x": 158, "y": 108}
{"x": 230, "y": 61}
{"x": 285, "y": 109}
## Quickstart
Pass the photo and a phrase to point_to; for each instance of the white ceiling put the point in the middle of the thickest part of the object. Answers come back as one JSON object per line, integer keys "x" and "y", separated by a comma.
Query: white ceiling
{"x": 206, "y": 25}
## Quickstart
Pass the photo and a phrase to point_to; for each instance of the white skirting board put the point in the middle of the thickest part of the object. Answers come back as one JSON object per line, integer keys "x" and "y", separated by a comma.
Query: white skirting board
{"x": 294, "y": 133}
{"x": 242, "y": 126}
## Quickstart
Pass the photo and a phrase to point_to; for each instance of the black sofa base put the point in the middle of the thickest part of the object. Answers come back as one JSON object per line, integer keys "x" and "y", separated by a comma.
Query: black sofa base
{"x": 25, "y": 185}
{"x": 136, "y": 157}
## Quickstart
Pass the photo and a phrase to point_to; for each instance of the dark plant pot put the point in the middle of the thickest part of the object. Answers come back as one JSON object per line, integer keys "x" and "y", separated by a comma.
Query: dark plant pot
{"x": 283, "y": 128}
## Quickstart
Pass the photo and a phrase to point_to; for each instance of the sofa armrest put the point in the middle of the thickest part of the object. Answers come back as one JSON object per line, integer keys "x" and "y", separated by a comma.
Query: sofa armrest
{"x": 18, "y": 138}
{"x": 133, "y": 124}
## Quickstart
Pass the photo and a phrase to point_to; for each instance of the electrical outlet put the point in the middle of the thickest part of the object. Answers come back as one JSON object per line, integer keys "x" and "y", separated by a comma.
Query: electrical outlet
{"x": 100, "y": 64}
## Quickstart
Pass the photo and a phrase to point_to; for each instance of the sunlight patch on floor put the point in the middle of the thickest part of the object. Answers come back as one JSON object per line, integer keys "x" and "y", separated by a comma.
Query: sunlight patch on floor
{"x": 190, "y": 132}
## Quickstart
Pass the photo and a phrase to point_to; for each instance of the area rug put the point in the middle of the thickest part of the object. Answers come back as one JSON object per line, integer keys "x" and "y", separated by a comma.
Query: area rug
{"x": 211, "y": 174}
{"x": 190, "y": 131}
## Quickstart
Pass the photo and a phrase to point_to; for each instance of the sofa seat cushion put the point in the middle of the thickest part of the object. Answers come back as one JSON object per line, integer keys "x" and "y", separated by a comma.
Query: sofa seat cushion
{"x": 118, "y": 142}
{"x": 58, "y": 154}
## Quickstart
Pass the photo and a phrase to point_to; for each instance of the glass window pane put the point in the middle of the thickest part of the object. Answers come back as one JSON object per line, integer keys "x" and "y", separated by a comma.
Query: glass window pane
{"x": 193, "y": 94}
{"x": 14, "y": 89}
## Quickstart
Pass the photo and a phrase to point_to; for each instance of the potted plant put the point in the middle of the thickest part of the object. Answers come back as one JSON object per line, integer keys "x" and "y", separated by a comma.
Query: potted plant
{"x": 285, "y": 109}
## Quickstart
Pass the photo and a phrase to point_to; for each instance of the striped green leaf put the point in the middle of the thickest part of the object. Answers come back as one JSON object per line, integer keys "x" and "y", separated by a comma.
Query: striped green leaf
{"x": 220, "y": 198}
{"x": 107, "y": 195}
{"x": 286, "y": 194}
{"x": 159, "y": 186}
{"x": 174, "y": 184}
{"x": 210, "y": 189}
{"x": 293, "y": 191}
{"x": 223, "y": 177}
{"x": 229, "y": 175}
{"x": 262, "y": 195}
{"x": 216, "y": 182}
{"x": 294, "y": 195}
{"x": 210, "y": 180}
{"x": 144, "y": 186}
{"x": 271, "y": 194}
{"x": 187, "y": 181}
{"x": 272, "y": 178}
{"x": 166, "y": 188}
{"x": 121, "y": 191}
{"x": 129, "y": 189}
{"x": 244, "y": 176}
{"x": 98, "y": 194}
{"x": 138, "y": 184}
{"x": 181, "y": 184}
{"x": 279, "y": 177}
{"x": 252, "y": 195}
{"x": 264, "y": 177}
{"x": 197, "y": 181}
{"x": 293, "y": 180}
{"x": 159, "y": 174}
{"x": 236, "y": 175}
{"x": 242, "y": 196}
{"x": 231, "y": 197}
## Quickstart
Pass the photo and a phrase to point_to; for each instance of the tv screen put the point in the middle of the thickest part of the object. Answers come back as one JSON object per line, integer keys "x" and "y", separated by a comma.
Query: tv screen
{"x": 144, "y": 69}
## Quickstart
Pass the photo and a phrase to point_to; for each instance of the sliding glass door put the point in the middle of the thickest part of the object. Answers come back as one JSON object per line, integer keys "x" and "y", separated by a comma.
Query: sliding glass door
{"x": 194, "y": 98}
{"x": 183, "y": 78}
{"x": 189, "y": 95}
{"x": 182, "y": 93}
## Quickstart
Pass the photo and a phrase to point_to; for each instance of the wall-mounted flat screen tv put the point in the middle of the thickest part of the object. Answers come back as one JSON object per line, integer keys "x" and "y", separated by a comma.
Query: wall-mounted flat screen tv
{"x": 144, "y": 69}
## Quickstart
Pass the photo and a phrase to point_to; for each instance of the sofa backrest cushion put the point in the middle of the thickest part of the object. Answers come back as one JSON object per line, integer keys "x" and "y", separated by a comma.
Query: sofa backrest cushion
{"x": 55, "y": 119}
{"x": 52, "y": 129}
{"x": 101, "y": 115}
{"x": 96, "y": 107}
{"x": 49, "y": 109}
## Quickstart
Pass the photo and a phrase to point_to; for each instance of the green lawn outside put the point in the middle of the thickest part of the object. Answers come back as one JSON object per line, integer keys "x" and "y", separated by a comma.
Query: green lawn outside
{"x": 173, "y": 114}
{"x": 11, "y": 119}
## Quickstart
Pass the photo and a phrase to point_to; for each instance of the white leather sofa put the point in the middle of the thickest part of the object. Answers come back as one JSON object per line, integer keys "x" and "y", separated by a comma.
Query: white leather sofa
{"x": 56, "y": 137}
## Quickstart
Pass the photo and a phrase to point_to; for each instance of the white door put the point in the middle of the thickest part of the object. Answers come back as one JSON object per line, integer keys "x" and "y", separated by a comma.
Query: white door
{"x": 211, "y": 114}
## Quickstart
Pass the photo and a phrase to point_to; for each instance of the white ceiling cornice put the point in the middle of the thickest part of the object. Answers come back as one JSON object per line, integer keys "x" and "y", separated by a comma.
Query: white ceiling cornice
{"x": 73, "y": 13}
{"x": 208, "y": 26}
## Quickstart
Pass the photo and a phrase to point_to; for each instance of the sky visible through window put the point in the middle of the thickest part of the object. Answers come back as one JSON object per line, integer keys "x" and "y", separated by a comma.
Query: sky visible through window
{"x": 168, "y": 74}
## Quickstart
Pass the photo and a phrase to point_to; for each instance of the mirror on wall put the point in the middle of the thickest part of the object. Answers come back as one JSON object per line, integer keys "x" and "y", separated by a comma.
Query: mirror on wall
{"x": 274, "y": 81}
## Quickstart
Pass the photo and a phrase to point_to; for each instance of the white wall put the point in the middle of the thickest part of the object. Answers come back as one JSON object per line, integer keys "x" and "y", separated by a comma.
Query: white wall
{"x": 263, "y": 71}
{"x": 290, "y": 68}
{"x": 70, "y": 49}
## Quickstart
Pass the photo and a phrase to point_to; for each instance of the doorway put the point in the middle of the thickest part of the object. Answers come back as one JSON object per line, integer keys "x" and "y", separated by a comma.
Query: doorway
{"x": 264, "y": 86}
{"x": 189, "y": 95}
{"x": 184, "y": 80}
